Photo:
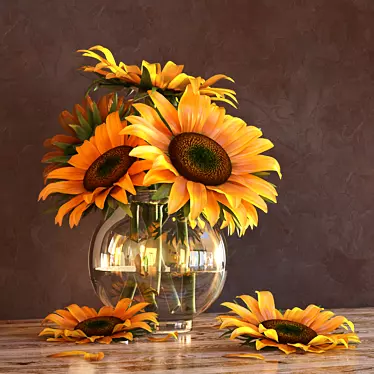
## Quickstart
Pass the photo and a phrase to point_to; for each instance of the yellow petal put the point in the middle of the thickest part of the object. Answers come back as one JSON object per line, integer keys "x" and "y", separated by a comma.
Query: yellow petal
{"x": 167, "y": 110}
{"x": 147, "y": 152}
{"x": 159, "y": 176}
{"x": 173, "y": 335}
{"x": 77, "y": 312}
{"x": 178, "y": 195}
{"x": 245, "y": 331}
{"x": 252, "y": 305}
{"x": 287, "y": 349}
{"x": 266, "y": 304}
{"x": 198, "y": 198}
{"x": 68, "y": 173}
{"x": 271, "y": 334}
{"x": 134, "y": 309}
{"x": 244, "y": 313}
{"x": 245, "y": 355}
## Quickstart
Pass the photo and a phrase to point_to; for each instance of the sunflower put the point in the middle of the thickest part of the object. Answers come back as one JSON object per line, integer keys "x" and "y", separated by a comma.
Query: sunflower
{"x": 168, "y": 78}
{"x": 79, "y": 126}
{"x": 101, "y": 167}
{"x": 208, "y": 157}
{"x": 311, "y": 329}
{"x": 85, "y": 325}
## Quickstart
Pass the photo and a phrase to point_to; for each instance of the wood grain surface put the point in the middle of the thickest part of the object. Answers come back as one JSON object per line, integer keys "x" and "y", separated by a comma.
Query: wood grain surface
{"x": 199, "y": 352}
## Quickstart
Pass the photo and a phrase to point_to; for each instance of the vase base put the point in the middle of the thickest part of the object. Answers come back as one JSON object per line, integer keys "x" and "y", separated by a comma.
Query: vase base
{"x": 166, "y": 327}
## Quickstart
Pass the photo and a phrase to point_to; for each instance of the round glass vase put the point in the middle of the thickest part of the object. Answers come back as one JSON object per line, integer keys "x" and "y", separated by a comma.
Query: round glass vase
{"x": 150, "y": 256}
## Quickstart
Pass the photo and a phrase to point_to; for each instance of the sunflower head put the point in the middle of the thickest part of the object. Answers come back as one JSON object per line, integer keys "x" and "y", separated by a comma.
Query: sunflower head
{"x": 79, "y": 125}
{"x": 100, "y": 174}
{"x": 209, "y": 158}
{"x": 86, "y": 325}
{"x": 311, "y": 329}
{"x": 170, "y": 79}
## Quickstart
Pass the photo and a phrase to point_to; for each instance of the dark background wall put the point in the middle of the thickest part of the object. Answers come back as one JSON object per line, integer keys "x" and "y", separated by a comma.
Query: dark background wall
{"x": 304, "y": 73}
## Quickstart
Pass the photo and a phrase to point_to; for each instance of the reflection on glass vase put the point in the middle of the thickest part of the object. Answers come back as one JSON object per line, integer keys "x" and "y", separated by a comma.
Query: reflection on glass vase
{"x": 160, "y": 259}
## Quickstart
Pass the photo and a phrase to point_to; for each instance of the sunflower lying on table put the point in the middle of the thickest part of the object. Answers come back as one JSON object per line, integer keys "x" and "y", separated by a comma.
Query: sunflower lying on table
{"x": 85, "y": 325}
{"x": 311, "y": 329}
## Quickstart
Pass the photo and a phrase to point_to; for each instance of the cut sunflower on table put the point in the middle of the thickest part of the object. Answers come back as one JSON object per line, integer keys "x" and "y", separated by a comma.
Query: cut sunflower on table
{"x": 311, "y": 329}
{"x": 169, "y": 79}
{"x": 208, "y": 159}
{"x": 85, "y": 325}
{"x": 79, "y": 126}
{"x": 101, "y": 170}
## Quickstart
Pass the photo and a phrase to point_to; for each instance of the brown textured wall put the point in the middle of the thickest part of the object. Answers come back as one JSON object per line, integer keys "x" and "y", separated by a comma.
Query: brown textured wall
{"x": 304, "y": 73}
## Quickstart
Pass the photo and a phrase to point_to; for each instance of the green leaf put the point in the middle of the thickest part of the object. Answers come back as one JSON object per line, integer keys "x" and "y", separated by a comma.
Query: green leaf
{"x": 162, "y": 192}
{"x": 267, "y": 200}
{"x": 125, "y": 208}
{"x": 261, "y": 174}
{"x": 61, "y": 159}
{"x": 63, "y": 146}
{"x": 145, "y": 81}
{"x": 114, "y": 105}
{"x": 96, "y": 115}
{"x": 83, "y": 122}
{"x": 82, "y": 134}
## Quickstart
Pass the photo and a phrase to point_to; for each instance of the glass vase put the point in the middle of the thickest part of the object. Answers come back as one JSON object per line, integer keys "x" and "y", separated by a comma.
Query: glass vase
{"x": 153, "y": 257}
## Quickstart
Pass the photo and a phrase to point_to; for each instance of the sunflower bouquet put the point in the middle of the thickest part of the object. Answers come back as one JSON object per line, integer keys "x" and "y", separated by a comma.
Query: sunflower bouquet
{"x": 160, "y": 132}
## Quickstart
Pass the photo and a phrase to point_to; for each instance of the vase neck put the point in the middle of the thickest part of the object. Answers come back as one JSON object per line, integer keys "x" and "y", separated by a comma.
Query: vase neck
{"x": 145, "y": 197}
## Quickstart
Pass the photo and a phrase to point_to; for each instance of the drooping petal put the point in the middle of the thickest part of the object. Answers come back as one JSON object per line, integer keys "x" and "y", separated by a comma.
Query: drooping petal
{"x": 178, "y": 195}
{"x": 198, "y": 198}
{"x": 159, "y": 176}
{"x": 67, "y": 207}
{"x": 66, "y": 187}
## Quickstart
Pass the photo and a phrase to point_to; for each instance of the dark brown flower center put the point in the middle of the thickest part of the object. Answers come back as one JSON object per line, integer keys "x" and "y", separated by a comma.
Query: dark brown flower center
{"x": 290, "y": 332}
{"x": 200, "y": 159}
{"x": 102, "y": 326}
{"x": 108, "y": 168}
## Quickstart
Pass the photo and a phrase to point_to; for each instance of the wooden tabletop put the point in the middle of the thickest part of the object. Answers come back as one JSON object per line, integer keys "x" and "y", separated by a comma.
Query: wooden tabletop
{"x": 199, "y": 352}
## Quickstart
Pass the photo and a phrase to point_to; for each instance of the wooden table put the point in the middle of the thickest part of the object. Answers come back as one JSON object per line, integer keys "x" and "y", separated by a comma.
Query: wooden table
{"x": 201, "y": 351}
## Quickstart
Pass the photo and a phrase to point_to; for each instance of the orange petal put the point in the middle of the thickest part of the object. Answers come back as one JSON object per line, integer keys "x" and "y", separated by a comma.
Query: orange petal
{"x": 86, "y": 355}
{"x": 121, "y": 307}
{"x": 106, "y": 311}
{"x": 167, "y": 110}
{"x": 119, "y": 194}
{"x": 126, "y": 184}
{"x": 114, "y": 127}
{"x": 139, "y": 166}
{"x": 198, "y": 198}
{"x": 88, "y": 152}
{"x": 68, "y": 173}
{"x": 212, "y": 209}
{"x": 65, "y": 187}
{"x": 77, "y": 312}
{"x": 159, "y": 176}
{"x": 266, "y": 304}
{"x": 173, "y": 335}
{"x": 100, "y": 199}
{"x": 245, "y": 355}
{"x": 178, "y": 195}
{"x": 151, "y": 118}
{"x": 76, "y": 214}
{"x": 102, "y": 139}
{"x": 67, "y": 207}
{"x": 133, "y": 310}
